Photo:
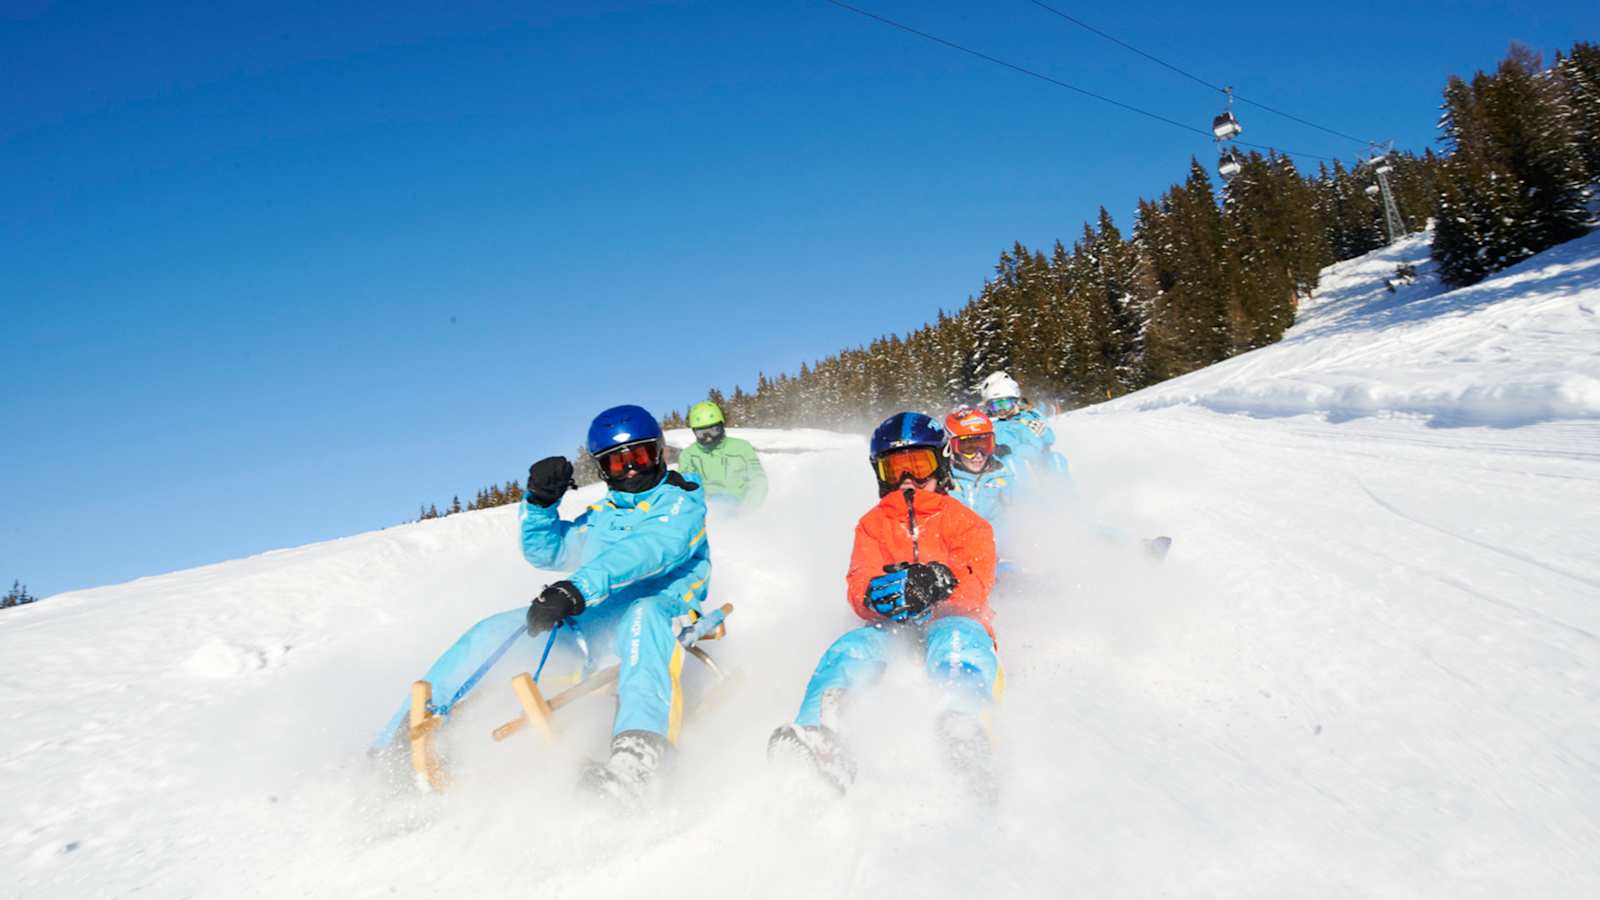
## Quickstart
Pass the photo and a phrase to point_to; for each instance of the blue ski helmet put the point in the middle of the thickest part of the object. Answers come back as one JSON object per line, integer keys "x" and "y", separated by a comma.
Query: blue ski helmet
{"x": 904, "y": 430}
{"x": 622, "y": 425}
{"x": 907, "y": 429}
{"x": 626, "y": 444}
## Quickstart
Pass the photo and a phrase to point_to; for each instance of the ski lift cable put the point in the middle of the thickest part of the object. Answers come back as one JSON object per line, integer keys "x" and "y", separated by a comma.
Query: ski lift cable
{"x": 1059, "y": 83}
{"x": 1191, "y": 76}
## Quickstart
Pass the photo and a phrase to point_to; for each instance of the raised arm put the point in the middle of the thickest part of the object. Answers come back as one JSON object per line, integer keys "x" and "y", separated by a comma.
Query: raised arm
{"x": 547, "y": 541}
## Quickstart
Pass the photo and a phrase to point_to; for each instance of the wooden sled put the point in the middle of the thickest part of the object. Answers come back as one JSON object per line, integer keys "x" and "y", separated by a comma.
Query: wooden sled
{"x": 538, "y": 712}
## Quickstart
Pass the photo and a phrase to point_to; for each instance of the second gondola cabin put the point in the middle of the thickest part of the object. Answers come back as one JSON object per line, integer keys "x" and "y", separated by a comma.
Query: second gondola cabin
{"x": 1230, "y": 163}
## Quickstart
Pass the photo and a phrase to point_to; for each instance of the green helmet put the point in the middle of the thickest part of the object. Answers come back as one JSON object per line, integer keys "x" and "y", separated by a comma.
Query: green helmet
{"x": 704, "y": 414}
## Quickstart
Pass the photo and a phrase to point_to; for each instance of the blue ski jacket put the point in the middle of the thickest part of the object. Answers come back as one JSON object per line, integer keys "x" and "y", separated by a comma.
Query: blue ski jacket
{"x": 1017, "y": 434}
{"x": 1031, "y": 451}
{"x": 628, "y": 546}
{"x": 988, "y": 493}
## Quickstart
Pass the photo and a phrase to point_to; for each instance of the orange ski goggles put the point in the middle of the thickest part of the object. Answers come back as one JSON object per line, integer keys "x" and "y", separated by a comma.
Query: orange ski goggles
{"x": 972, "y": 446}
{"x": 635, "y": 456}
{"x": 919, "y": 462}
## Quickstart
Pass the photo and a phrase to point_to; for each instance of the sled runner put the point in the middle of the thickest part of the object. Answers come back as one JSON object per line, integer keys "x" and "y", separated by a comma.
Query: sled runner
{"x": 537, "y": 711}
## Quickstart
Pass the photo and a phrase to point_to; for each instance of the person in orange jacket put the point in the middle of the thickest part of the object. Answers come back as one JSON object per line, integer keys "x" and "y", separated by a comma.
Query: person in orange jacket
{"x": 920, "y": 574}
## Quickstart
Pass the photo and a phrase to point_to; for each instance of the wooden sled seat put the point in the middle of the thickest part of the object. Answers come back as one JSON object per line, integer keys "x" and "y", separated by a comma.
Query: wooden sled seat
{"x": 537, "y": 711}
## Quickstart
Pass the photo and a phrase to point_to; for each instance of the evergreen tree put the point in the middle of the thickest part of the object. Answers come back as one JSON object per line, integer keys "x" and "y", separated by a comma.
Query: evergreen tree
{"x": 1533, "y": 132}
{"x": 1514, "y": 182}
{"x": 1578, "y": 76}
{"x": 17, "y": 596}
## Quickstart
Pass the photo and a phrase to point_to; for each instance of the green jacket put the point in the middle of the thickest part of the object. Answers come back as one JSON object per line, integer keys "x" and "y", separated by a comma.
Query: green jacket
{"x": 731, "y": 468}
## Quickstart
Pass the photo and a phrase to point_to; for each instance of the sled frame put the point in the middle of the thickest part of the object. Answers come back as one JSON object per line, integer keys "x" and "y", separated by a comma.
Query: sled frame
{"x": 537, "y": 712}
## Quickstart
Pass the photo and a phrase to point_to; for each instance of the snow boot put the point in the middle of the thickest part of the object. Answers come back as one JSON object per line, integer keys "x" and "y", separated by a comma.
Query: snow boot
{"x": 970, "y": 752}
{"x": 635, "y": 756}
{"x": 819, "y": 748}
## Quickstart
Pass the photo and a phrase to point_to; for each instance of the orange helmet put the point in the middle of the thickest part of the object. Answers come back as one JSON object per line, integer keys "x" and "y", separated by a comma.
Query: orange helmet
{"x": 967, "y": 420}
{"x": 971, "y": 440}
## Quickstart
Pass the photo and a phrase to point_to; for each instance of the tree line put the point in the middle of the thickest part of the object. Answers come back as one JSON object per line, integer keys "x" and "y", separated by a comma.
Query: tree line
{"x": 17, "y": 596}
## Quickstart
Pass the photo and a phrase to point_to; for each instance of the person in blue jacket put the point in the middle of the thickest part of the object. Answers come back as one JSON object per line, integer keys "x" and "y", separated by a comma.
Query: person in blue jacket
{"x": 982, "y": 476}
{"x": 639, "y": 560}
{"x": 1020, "y": 427}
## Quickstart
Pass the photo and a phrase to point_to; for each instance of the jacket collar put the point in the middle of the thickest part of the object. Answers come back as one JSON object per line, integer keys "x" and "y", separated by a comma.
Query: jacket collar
{"x": 927, "y": 502}
{"x": 645, "y": 498}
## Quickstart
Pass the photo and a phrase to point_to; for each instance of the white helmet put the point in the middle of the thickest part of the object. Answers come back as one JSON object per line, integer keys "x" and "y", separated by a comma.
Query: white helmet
{"x": 998, "y": 386}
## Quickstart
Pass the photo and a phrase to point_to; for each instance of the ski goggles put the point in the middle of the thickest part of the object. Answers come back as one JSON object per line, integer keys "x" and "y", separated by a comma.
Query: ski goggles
{"x": 642, "y": 455}
{"x": 1003, "y": 406}
{"x": 918, "y": 462}
{"x": 973, "y": 445}
{"x": 710, "y": 434}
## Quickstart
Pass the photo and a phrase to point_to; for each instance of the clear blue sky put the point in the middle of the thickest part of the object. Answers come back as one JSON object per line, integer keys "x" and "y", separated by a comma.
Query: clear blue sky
{"x": 276, "y": 273}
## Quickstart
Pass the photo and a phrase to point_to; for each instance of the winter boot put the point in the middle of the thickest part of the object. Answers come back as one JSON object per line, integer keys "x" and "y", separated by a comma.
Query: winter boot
{"x": 970, "y": 751}
{"x": 820, "y": 749}
{"x": 635, "y": 755}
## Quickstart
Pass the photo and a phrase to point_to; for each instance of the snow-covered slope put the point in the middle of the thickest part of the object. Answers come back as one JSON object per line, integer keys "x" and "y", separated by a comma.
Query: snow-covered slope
{"x": 1521, "y": 347}
{"x": 1370, "y": 668}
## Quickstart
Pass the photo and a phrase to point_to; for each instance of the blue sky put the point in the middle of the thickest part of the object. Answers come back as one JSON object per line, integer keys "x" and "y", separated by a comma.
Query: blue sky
{"x": 276, "y": 273}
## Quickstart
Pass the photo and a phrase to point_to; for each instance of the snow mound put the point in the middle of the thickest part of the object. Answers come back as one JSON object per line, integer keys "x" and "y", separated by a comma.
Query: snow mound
{"x": 1521, "y": 347}
{"x": 220, "y": 659}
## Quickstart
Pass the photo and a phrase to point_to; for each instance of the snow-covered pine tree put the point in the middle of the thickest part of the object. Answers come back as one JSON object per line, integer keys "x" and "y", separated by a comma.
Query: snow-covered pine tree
{"x": 987, "y": 321}
{"x": 1144, "y": 294}
{"x": 1118, "y": 278}
{"x": 1579, "y": 75}
{"x": 1533, "y": 135}
{"x": 1198, "y": 303}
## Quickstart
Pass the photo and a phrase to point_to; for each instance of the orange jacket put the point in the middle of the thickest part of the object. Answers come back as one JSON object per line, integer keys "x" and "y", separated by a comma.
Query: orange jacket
{"x": 947, "y": 532}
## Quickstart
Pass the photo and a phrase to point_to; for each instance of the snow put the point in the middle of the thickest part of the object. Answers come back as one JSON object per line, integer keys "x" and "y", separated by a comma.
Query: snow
{"x": 1518, "y": 348}
{"x": 1370, "y": 666}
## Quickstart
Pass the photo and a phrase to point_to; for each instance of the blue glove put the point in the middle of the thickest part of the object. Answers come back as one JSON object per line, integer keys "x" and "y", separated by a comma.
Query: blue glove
{"x": 886, "y": 595}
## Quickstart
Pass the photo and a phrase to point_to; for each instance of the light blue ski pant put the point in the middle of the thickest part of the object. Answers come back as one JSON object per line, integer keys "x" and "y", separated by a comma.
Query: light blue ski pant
{"x": 957, "y": 650}
{"x": 640, "y": 633}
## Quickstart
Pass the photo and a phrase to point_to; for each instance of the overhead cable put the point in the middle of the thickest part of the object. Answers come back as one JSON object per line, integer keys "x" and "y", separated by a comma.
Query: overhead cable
{"x": 1190, "y": 75}
{"x": 1057, "y": 82}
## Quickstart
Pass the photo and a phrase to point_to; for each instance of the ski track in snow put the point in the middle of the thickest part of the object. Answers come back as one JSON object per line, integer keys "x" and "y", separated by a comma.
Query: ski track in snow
{"x": 1369, "y": 667}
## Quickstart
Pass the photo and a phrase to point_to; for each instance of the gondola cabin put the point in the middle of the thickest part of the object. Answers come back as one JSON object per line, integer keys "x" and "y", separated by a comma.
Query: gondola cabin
{"x": 1230, "y": 163}
{"x": 1226, "y": 127}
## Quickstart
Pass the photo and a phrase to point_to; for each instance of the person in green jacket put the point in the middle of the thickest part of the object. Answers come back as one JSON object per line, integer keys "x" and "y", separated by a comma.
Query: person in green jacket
{"x": 728, "y": 466}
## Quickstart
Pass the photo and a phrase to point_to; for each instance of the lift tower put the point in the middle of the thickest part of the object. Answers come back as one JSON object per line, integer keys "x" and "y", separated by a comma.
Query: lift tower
{"x": 1379, "y": 162}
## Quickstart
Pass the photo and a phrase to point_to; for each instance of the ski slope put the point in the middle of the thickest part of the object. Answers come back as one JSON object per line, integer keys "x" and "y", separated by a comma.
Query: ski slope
{"x": 1370, "y": 668}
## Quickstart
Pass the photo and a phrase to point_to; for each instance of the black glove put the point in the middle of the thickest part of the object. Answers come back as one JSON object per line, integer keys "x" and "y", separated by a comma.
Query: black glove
{"x": 548, "y": 479}
{"x": 554, "y": 603}
{"x": 929, "y": 584}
